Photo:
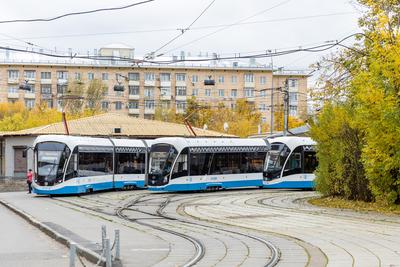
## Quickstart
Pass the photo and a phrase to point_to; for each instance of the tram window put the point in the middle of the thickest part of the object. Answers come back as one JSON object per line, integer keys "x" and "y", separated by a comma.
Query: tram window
{"x": 310, "y": 161}
{"x": 72, "y": 168}
{"x": 293, "y": 165}
{"x": 199, "y": 163}
{"x": 226, "y": 163}
{"x": 181, "y": 165}
{"x": 255, "y": 162}
{"x": 94, "y": 164}
{"x": 129, "y": 163}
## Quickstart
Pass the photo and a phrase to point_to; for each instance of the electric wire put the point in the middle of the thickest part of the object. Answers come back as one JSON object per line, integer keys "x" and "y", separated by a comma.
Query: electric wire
{"x": 75, "y": 13}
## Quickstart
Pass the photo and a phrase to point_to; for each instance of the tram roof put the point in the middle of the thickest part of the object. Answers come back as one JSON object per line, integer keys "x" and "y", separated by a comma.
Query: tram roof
{"x": 180, "y": 142}
{"x": 293, "y": 141}
{"x": 73, "y": 141}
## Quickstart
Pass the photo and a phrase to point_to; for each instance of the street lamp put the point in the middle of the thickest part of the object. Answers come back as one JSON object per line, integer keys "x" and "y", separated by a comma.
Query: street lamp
{"x": 119, "y": 87}
{"x": 25, "y": 86}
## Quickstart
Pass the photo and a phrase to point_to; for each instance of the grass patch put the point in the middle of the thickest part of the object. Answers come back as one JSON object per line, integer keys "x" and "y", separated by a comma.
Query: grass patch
{"x": 340, "y": 203}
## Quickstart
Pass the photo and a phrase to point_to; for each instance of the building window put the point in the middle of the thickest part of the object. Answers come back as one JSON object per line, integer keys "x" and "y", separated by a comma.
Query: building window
{"x": 263, "y": 107}
{"x": 263, "y": 80}
{"x": 133, "y": 104}
{"x": 263, "y": 93}
{"x": 45, "y": 75}
{"x": 61, "y": 89}
{"x": 104, "y": 76}
{"x": 221, "y": 93}
{"x": 13, "y": 74}
{"x": 221, "y": 79}
{"x": 13, "y": 89}
{"x": 293, "y": 83}
{"x": 29, "y": 74}
{"x": 233, "y": 105}
{"x": 165, "y": 104}
{"x": 165, "y": 91}
{"x": 195, "y": 92}
{"x": 195, "y": 78}
{"x": 62, "y": 75}
{"x": 32, "y": 89}
{"x": 133, "y": 90}
{"x": 293, "y": 96}
{"x": 248, "y": 92}
{"x": 78, "y": 76}
{"x": 133, "y": 76}
{"x": 90, "y": 76}
{"x": 234, "y": 79}
{"x": 149, "y": 91}
{"x": 165, "y": 77}
{"x": 181, "y": 90}
{"x": 149, "y": 76}
{"x": 234, "y": 93}
{"x": 181, "y": 105}
{"x": 104, "y": 105}
{"x": 118, "y": 105}
{"x": 207, "y": 92}
{"x": 180, "y": 77}
{"x": 45, "y": 89}
{"x": 249, "y": 78}
{"x": 119, "y": 94}
{"x": 48, "y": 102}
{"x": 149, "y": 104}
{"x": 293, "y": 110}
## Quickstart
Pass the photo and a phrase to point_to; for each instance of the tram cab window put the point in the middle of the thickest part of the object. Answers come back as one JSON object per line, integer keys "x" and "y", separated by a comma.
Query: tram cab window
{"x": 72, "y": 168}
{"x": 130, "y": 163}
{"x": 199, "y": 163}
{"x": 294, "y": 163}
{"x": 94, "y": 164}
{"x": 181, "y": 165}
{"x": 276, "y": 158}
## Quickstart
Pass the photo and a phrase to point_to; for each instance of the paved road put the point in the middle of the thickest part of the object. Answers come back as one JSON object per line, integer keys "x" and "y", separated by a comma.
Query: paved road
{"x": 24, "y": 245}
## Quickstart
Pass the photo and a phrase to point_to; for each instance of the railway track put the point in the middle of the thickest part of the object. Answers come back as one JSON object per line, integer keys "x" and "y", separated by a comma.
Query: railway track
{"x": 212, "y": 245}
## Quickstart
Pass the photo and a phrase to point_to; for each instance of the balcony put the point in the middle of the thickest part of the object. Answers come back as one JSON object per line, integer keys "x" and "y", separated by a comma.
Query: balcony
{"x": 149, "y": 83}
{"x": 251, "y": 99}
{"x": 47, "y": 96}
{"x": 134, "y": 83}
{"x": 165, "y": 83}
{"x": 29, "y": 95}
{"x": 13, "y": 80}
{"x": 149, "y": 111}
{"x": 180, "y": 83}
{"x": 133, "y": 97}
{"x": 62, "y": 81}
{"x": 180, "y": 97}
{"x": 165, "y": 97}
{"x": 133, "y": 111}
{"x": 180, "y": 111}
{"x": 13, "y": 95}
{"x": 249, "y": 84}
{"x": 45, "y": 81}
{"x": 31, "y": 80}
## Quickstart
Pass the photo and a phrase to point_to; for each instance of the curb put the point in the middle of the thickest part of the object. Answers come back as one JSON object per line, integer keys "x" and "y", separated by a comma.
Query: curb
{"x": 86, "y": 253}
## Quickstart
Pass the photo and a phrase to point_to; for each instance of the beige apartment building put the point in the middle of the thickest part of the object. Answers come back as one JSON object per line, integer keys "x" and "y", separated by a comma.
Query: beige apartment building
{"x": 147, "y": 87}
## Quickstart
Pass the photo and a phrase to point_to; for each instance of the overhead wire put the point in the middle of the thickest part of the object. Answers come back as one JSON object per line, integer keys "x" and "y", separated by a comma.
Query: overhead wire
{"x": 229, "y": 25}
{"x": 76, "y": 13}
{"x": 184, "y": 29}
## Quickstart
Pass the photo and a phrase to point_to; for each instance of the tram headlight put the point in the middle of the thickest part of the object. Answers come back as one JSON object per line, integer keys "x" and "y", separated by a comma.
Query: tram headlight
{"x": 165, "y": 179}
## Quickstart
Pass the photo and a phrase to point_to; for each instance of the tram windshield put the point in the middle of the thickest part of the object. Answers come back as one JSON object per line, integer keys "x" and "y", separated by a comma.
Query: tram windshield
{"x": 162, "y": 157}
{"x": 275, "y": 161}
{"x": 51, "y": 157}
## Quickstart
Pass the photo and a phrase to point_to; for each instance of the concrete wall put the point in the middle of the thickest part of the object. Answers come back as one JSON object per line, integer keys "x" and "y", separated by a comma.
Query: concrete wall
{"x": 9, "y": 144}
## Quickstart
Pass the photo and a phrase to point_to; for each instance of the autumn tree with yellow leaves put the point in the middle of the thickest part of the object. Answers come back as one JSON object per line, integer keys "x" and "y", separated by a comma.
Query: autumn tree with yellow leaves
{"x": 358, "y": 128}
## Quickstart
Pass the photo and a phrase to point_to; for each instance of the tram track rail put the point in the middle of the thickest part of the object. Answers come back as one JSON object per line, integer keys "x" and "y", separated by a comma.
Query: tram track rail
{"x": 160, "y": 203}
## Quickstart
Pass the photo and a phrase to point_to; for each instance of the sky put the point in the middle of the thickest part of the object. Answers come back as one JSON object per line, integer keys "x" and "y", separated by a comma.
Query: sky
{"x": 273, "y": 24}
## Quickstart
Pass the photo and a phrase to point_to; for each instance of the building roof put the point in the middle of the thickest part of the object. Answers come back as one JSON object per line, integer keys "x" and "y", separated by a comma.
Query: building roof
{"x": 104, "y": 125}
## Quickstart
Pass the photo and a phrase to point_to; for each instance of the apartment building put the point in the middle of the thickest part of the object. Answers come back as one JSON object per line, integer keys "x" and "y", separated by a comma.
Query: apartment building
{"x": 149, "y": 86}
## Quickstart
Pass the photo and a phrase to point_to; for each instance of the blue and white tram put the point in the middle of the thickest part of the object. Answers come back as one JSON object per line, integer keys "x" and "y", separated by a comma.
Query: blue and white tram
{"x": 190, "y": 164}
{"x": 290, "y": 163}
{"x": 74, "y": 165}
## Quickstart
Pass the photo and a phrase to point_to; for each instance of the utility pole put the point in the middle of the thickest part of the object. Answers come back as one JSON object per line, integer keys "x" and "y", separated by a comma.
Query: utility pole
{"x": 272, "y": 93}
{"x": 286, "y": 107}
